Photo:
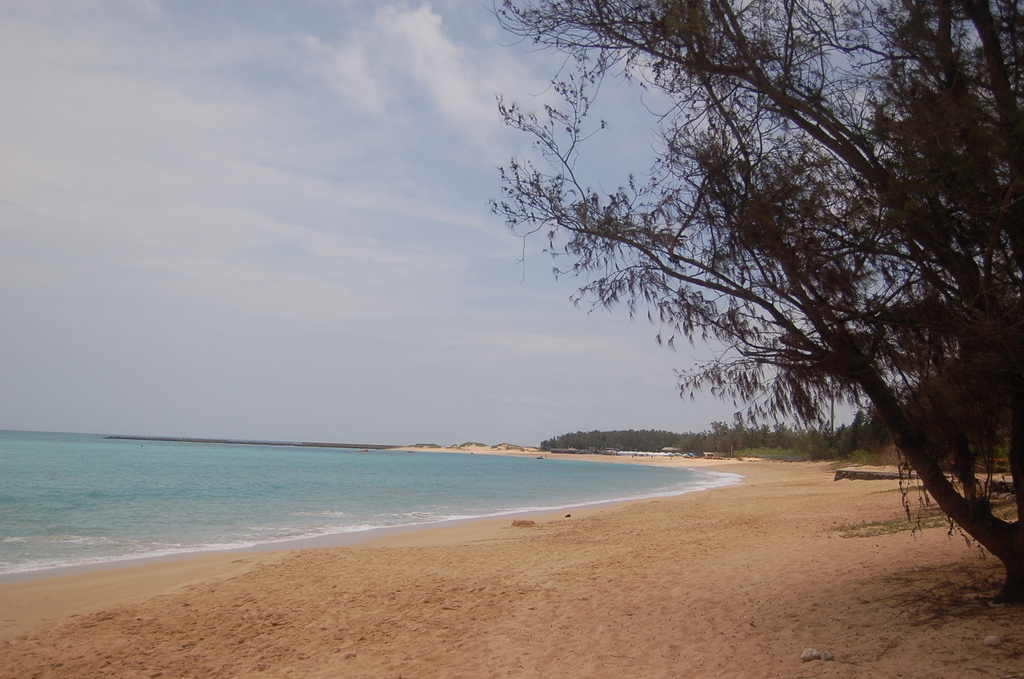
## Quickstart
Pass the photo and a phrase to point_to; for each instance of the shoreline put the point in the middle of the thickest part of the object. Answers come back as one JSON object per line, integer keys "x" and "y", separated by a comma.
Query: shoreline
{"x": 31, "y": 597}
{"x": 732, "y": 583}
{"x": 350, "y": 538}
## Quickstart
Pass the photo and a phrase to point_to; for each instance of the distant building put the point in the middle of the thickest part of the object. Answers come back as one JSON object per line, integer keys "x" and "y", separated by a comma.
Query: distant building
{"x": 588, "y": 451}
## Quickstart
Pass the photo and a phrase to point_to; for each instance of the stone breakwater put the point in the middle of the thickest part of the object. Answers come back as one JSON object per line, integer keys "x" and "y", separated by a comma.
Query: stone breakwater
{"x": 243, "y": 442}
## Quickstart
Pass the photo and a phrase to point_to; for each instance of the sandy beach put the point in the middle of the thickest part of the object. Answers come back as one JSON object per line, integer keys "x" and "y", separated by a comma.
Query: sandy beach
{"x": 732, "y": 582}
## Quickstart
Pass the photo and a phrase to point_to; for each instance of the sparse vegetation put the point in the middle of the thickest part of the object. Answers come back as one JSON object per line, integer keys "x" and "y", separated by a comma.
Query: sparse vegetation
{"x": 872, "y": 529}
{"x": 772, "y": 453}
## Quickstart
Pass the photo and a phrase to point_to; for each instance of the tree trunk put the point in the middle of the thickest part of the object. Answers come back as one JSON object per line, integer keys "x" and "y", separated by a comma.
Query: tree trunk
{"x": 1016, "y": 450}
{"x": 1012, "y": 591}
{"x": 1013, "y": 588}
{"x": 1002, "y": 539}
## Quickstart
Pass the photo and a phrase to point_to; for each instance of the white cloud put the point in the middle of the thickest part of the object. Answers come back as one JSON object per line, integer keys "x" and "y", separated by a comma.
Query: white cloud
{"x": 407, "y": 64}
{"x": 456, "y": 83}
{"x": 347, "y": 69}
{"x": 258, "y": 207}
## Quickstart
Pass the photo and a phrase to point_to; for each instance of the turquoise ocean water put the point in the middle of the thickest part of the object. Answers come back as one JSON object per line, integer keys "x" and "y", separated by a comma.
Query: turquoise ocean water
{"x": 74, "y": 499}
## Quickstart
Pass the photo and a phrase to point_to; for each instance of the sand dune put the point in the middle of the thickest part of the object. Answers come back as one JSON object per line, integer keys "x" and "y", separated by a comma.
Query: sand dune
{"x": 734, "y": 582}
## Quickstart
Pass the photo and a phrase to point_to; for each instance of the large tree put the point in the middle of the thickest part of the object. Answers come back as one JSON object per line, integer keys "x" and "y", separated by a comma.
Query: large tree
{"x": 836, "y": 196}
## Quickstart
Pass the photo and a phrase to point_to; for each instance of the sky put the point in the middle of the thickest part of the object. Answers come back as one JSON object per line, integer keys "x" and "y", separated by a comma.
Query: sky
{"x": 270, "y": 220}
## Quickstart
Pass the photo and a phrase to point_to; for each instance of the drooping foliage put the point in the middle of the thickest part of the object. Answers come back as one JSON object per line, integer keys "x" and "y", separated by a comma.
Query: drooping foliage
{"x": 836, "y": 197}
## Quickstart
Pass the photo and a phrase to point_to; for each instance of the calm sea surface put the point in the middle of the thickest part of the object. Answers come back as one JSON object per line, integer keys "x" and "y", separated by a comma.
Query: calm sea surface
{"x": 71, "y": 499}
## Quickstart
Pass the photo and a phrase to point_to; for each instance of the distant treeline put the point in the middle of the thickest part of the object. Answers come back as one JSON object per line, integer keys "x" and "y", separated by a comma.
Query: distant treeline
{"x": 864, "y": 435}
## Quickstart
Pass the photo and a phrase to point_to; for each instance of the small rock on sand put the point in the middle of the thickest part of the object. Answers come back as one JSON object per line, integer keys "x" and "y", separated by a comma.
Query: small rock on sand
{"x": 993, "y": 640}
{"x": 809, "y": 655}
